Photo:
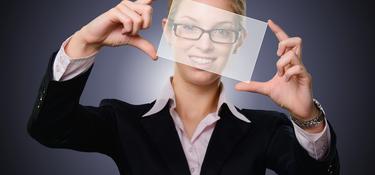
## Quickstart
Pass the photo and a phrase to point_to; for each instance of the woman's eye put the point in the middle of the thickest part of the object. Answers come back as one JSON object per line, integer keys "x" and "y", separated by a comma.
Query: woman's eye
{"x": 223, "y": 32}
{"x": 188, "y": 27}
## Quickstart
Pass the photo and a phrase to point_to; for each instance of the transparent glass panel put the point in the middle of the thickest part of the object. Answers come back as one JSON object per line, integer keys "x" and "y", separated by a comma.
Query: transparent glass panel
{"x": 212, "y": 39}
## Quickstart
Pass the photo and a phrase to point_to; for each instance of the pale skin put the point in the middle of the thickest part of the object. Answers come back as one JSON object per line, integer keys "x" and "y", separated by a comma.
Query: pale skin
{"x": 290, "y": 87}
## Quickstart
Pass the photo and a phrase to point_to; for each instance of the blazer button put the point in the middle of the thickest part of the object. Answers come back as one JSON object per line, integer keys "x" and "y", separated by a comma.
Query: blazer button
{"x": 42, "y": 94}
{"x": 330, "y": 171}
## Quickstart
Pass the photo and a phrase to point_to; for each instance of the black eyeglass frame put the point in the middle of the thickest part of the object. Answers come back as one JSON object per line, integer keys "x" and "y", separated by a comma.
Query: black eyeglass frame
{"x": 203, "y": 31}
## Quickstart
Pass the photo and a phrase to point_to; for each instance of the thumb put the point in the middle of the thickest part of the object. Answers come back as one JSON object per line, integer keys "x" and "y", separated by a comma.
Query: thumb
{"x": 252, "y": 86}
{"x": 144, "y": 45}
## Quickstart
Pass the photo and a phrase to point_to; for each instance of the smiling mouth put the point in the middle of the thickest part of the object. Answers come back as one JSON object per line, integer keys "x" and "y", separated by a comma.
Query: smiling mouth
{"x": 201, "y": 62}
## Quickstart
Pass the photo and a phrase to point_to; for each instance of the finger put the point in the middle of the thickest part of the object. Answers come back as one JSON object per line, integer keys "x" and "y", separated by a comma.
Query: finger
{"x": 136, "y": 18}
{"x": 296, "y": 70}
{"x": 298, "y": 51}
{"x": 147, "y": 17}
{"x": 294, "y": 42}
{"x": 253, "y": 86}
{"x": 118, "y": 16}
{"x": 144, "y": 45}
{"x": 145, "y": 11}
{"x": 280, "y": 34}
{"x": 289, "y": 58}
{"x": 144, "y": 2}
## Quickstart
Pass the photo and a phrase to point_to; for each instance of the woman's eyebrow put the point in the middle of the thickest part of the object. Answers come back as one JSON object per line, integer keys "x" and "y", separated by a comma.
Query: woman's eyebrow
{"x": 191, "y": 18}
{"x": 223, "y": 23}
{"x": 217, "y": 24}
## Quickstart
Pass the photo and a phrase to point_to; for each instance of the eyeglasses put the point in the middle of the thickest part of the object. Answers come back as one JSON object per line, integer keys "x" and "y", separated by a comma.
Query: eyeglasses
{"x": 191, "y": 32}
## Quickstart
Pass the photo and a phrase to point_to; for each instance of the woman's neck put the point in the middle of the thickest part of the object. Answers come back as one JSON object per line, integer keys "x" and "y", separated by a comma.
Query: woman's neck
{"x": 194, "y": 102}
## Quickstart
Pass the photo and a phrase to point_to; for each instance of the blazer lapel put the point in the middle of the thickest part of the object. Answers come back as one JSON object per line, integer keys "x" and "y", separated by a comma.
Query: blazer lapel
{"x": 227, "y": 133}
{"x": 163, "y": 133}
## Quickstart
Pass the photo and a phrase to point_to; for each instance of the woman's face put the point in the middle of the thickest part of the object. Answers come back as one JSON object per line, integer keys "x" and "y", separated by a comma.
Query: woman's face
{"x": 205, "y": 52}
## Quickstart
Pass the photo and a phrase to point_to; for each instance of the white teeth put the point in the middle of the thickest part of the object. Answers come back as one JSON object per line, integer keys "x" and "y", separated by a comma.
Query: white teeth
{"x": 200, "y": 60}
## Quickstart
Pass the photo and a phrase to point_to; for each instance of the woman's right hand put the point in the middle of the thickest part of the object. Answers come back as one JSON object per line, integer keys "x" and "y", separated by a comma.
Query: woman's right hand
{"x": 116, "y": 27}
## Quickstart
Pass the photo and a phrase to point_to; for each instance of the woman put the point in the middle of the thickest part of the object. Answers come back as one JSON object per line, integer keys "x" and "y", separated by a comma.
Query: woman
{"x": 191, "y": 128}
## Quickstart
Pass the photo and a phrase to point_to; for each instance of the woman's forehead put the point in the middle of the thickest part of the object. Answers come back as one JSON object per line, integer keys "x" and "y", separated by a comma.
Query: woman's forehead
{"x": 221, "y": 4}
{"x": 202, "y": 13}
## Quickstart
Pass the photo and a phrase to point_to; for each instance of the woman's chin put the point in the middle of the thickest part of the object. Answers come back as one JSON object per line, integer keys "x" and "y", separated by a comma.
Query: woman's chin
{"x": 198, "y": 76}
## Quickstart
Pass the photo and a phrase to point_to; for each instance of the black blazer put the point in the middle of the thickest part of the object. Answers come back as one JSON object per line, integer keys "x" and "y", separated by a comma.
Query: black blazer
{"x": 150, "y": 145}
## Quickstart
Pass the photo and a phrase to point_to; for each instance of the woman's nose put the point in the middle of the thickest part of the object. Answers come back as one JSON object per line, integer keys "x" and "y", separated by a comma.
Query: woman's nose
{"x": 204, "y": 43}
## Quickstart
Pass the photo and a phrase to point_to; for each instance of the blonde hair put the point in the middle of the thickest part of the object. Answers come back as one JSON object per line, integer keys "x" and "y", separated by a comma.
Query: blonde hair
{"x": 238, "y": 6}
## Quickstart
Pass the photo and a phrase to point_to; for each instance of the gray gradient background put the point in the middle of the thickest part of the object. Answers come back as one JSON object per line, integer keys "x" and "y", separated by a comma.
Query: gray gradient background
{"x": 337, "y": 51}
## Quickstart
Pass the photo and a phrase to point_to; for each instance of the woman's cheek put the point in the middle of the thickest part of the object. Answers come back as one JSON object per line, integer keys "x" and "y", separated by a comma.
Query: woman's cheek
{"x": 223, "y": 54}
{"x": 181, "y": 49}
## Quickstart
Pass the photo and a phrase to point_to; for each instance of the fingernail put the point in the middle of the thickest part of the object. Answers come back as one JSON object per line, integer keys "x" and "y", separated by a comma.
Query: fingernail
{"x": 278, "y": 52}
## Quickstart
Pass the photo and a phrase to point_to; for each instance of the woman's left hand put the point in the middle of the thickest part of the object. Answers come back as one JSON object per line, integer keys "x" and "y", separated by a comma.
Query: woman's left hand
{"x": 291, "y": 87}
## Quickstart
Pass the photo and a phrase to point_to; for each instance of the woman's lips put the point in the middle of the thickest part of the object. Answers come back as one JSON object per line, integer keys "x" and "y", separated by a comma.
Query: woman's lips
{"x": 201, "y": 62}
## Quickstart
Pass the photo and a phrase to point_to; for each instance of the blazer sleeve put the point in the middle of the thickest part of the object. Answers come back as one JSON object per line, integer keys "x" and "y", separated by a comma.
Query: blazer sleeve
{"x": 287, "y": 157}
{"x": 59, "y": 121}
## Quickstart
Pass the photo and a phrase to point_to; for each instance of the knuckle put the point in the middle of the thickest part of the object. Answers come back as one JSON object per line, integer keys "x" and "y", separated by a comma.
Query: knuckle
{"x": 120, "y": 5}
{"x": 294, "y": 54}
{"x": 300, "y": 68}
{"x": 281, "y": 44}
{"x": 123, "y": 7}
{"x": 137, "y": 20}
{"x": 288, "y": 72}
{"x": 120, "y": 9}
{"x": 279, "y": 64}
{"x": 284, "y": 57}
{"x": 114, "y": 10}
{"x": 299, "y": 40}
{"x": 291, "y": 53}
{"x": 127, "y": 21}
{"x": 148, "y": 9}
